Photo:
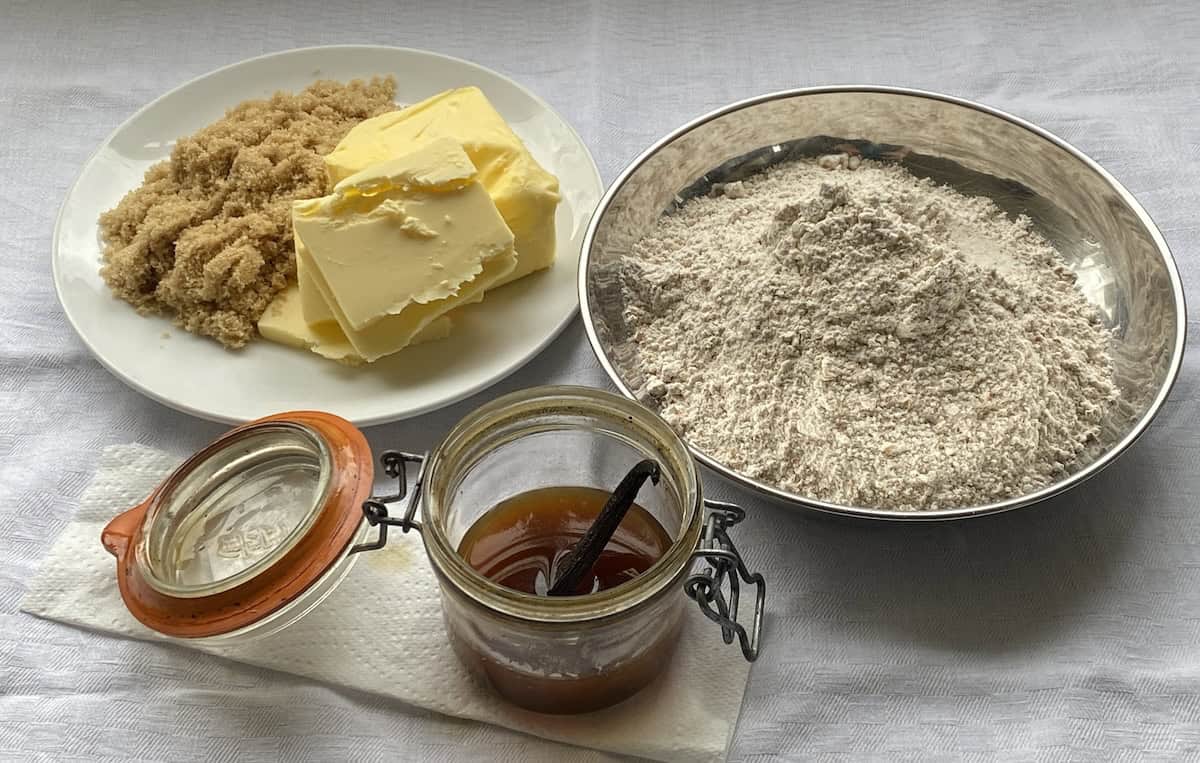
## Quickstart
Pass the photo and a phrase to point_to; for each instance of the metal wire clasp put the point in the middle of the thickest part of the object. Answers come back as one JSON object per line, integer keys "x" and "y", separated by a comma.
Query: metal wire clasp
{"x": 725, "y": 564}
{"x": 375, "y": 509}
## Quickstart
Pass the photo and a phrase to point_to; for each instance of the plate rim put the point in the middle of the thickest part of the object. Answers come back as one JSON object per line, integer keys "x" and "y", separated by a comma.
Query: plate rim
{"x": 208, "y": 415}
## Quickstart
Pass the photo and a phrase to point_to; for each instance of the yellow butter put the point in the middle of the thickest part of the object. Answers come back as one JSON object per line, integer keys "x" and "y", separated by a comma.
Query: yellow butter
{"x": 395, "y": 332}
{"x": 398, "y": 245}
{"x": 403, "y": 232}
{"x": 285, "y": 323}
{"x": 313, "y": 306}
{"x": 525, "y": 194}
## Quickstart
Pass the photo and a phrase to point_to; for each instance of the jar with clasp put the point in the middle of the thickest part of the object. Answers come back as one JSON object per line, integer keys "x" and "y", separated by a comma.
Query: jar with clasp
{"x": 256, "y": 529}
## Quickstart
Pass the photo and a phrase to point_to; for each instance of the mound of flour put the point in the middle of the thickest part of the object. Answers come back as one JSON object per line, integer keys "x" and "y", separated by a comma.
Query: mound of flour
{"x": 865, "y": 337}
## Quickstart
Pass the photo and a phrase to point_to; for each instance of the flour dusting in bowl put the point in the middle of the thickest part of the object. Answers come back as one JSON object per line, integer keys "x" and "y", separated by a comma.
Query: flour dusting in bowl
{"x": 849, "y": 332}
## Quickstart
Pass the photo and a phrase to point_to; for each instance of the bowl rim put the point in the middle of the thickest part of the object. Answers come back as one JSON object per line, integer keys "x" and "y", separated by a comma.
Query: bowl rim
{"x": 826, "y": 507}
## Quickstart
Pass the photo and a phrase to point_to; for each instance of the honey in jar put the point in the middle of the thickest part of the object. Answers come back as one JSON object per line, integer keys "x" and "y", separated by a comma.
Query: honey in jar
{"x": 520, "y": 544}
{"x": 522, "y": 541}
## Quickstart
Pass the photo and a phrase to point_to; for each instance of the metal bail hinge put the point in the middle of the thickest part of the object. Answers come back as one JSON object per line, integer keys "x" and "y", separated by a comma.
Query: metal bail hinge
{"x": 375, "y": 509}
{"x": 725, "y": 564}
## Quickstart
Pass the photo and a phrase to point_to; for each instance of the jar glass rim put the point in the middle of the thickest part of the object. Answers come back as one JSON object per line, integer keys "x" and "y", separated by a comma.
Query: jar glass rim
{"x": 445, "y": 463}
{"x": 195, "y": 469}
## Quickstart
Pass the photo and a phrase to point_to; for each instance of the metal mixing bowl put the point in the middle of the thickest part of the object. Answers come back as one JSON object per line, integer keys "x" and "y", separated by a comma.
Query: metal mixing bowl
{"x": 1105, "y": 237}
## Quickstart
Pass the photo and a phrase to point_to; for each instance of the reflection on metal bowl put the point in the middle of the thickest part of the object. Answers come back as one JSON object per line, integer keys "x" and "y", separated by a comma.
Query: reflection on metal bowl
{"x": 1122, "y": 263}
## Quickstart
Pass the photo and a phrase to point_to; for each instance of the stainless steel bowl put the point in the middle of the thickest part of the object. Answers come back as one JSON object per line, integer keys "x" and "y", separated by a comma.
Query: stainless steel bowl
{"x": 1103, "y": 234}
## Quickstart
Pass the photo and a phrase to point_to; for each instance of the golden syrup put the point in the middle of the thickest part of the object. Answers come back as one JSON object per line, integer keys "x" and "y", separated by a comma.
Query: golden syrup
{"x": 521, "y": 542}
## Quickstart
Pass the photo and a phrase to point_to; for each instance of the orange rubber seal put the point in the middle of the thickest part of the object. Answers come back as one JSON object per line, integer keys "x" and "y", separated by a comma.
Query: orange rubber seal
{"x": 325, "y": 542}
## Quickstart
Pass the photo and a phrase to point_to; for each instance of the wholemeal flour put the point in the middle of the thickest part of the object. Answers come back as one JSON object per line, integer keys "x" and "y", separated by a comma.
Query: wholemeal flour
{"x": 851, "y": 333}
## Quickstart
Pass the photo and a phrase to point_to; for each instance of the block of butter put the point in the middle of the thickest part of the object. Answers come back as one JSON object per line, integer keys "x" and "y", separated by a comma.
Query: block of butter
{"x": 400, "y": 244}
{"x": 284, "y": 322}
{"x": 312, "y": 301}
{"x": 323, "y": 335}
{"x": 524, "y": 192}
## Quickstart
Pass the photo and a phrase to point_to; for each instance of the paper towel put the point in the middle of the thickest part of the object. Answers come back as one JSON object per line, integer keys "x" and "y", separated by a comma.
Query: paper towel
{"x": 381, "y": 631}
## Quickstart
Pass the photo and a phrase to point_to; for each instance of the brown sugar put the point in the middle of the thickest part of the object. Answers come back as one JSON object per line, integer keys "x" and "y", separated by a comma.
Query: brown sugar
{"x": 207, "y": 237}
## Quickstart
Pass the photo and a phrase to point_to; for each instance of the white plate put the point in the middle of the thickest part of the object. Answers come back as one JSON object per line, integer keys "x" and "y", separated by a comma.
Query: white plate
{"x": 198, "y": 376}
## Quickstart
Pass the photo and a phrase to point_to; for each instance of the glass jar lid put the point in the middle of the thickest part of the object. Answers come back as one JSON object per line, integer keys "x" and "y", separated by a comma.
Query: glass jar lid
{"x": 245, "y": 526}
{"x": 237, "y": 512}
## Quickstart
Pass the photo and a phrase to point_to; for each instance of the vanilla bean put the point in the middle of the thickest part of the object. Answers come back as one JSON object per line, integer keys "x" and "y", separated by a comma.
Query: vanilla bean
{"x": 584, "y": 554}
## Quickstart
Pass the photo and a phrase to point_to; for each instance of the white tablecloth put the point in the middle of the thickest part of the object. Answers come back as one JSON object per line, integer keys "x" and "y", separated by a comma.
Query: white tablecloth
{"x": 1067, "y": 630}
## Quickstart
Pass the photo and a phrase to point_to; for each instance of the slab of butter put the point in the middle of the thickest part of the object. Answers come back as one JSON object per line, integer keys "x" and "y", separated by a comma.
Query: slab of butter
{"x": 525, "y": 193}
{"x": 284, "y": 322}
{"x": 312, "y": 303}
{"x": 395, "y": 332}
{"x": 400, "y": 244}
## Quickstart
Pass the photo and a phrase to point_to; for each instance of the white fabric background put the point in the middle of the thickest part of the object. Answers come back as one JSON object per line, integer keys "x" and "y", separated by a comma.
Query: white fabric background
{"x": 1067, "y": 630}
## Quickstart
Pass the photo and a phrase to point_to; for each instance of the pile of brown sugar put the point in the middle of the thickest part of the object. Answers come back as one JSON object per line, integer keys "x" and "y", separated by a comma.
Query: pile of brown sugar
{"x": 207, "y": 237}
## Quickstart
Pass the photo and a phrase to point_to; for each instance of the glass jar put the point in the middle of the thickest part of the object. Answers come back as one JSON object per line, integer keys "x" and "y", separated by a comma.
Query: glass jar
{"x": 250, "y": 533}
{"x": 255, "y": 530}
